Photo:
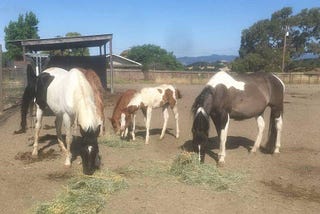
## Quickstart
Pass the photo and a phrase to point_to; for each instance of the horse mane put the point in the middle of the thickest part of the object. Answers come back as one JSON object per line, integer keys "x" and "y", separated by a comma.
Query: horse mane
{"x": 122, "y": 103}
{"x": 97, "y": 88}
{"x": 84, "y": 101}
{"x": 200, "y": 99}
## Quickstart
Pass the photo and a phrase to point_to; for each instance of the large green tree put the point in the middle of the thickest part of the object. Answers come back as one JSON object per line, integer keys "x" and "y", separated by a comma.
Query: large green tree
{"x": 26, "y": 27}
{"x": 153, "y": 57}
{"x": 262, "y": 44}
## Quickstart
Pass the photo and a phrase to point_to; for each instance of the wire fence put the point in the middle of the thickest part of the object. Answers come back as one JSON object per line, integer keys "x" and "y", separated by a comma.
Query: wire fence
{"x": 13, "y": 84}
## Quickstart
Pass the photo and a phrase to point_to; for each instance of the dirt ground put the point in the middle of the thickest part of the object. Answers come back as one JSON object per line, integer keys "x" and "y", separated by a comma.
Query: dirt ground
{"x": 284, "y": 183}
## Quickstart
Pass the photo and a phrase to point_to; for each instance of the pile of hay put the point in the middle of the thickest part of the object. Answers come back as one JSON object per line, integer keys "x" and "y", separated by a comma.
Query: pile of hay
{"x": 85, "y": 194}
{"x": 188, "y": 169}
{"x": 112, "y": 140}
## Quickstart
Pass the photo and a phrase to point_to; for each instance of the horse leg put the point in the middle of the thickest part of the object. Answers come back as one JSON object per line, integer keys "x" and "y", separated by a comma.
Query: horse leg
{"x": 275, "y": 128}
{"x": 278, "y": 122}
{"x": 176, "y": 116}
{"x": 222, "y": 129}
{"x": 133, "y": 127}
{"x": 58, "y": 123}
{"x": 149, "y": 111}
{"x": 39, "y": 114}
{"x": 68, "y": 126}
{"x": 261, "y": 125}
{"x": 165, "y": 121}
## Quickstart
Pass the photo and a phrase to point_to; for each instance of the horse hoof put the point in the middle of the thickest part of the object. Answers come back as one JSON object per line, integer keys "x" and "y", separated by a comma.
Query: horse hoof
{"x": 276, "y": 151}
{"x": 253, "y": 151}
{"x": 35, "y": 153}
{"x": 221, "y": 164}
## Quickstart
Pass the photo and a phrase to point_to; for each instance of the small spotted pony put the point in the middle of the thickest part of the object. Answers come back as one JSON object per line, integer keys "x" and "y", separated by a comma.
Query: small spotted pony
{"x": 149, "y": 98}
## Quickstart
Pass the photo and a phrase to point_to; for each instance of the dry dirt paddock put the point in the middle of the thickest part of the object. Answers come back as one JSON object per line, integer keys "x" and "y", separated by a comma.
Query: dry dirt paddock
{"x": 285, "y": 183}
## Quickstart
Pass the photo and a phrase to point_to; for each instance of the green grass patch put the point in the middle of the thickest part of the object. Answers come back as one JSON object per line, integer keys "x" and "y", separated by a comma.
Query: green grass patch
{"x": 85, "y": 194}
{"x": 112, "y": 140}
{"x": 188, "y": 169}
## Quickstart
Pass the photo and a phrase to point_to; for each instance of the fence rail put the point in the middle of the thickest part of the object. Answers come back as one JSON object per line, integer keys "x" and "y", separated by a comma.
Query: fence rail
{"x": 188, "y": 77}
{"x": 14, "y": 81}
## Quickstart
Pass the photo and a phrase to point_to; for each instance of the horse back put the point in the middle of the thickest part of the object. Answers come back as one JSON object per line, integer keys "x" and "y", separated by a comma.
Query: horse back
{"x": 261, "y": 90}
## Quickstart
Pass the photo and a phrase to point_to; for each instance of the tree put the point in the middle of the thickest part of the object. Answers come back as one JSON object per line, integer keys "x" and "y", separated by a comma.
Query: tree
{"x": 262, "y": 44}
{"x": 154, "y": 57}
{"x": 24, "y": 28}
{"x": 70, "y": 52}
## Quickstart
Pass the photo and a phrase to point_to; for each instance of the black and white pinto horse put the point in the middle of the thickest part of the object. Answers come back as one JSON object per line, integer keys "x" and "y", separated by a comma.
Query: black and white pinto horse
{"x": 243, "y": 97}
{"x": 69, "y": 95}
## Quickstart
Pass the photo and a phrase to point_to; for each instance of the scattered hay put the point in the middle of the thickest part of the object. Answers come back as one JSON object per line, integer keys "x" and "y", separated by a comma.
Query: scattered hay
{"x": 27, "y": 158}
{"x": 85, "y": 194}
{"x": 115, "y": 141}
{"x": 189, "y": 170}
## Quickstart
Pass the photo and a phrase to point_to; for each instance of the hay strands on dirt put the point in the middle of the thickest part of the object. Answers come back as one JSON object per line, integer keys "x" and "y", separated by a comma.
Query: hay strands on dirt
{"x": 85, "y": 194}
{"x": 115, "y": 141}
{"x": 188, "y": 169}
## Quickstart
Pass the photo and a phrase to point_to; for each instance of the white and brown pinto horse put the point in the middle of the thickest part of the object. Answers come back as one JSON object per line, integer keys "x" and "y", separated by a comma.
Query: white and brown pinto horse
{"x": 242, "y": 97}
{"x": 70, "y": 96}
{"x": 146, "y": 99}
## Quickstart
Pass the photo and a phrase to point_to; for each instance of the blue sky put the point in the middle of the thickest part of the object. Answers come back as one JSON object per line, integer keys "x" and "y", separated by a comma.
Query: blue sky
{"x": 185, "y": 27}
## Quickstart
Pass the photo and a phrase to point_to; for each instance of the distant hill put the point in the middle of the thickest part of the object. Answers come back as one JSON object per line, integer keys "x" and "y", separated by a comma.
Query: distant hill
{"x": 210, "y": 59}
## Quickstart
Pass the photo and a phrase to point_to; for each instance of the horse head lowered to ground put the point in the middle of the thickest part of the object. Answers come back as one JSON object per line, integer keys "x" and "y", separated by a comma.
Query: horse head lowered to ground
{"x": 120, "y": 115}
{"x": 146, "y": 99}
{"x": 242, "y": 97}
{"x": 69, "y": 96}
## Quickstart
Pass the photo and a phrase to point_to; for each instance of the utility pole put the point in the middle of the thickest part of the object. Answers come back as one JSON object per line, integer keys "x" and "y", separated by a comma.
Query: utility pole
{"x": 284, "y": 47}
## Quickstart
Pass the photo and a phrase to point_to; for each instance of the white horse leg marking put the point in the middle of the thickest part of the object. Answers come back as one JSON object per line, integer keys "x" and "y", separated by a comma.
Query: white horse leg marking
{"x": 67, "y": 124}
{"x": 133, "y": 127}
{"x": 58, "y": 123}
{"x": 223, "y": 139}
{"x": 279, "y": 129}
{"x": 261, "y": 125}
{"x": 199, "y": 148}
{"x": 176, "y": 116}
{"x": 165, "y": 122}
{"x": 39, "y": 113}
{"x": 122, "y": 121}
{"x": 149, "y": 111}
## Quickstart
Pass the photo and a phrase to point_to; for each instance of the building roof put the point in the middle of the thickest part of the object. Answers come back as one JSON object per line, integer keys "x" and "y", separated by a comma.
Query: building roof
{"x": 120, "y": 61}
{"x": 61, "y": 43}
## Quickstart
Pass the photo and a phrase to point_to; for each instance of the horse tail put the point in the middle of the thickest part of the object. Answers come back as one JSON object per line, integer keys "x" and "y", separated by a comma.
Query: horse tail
{"x": 276, "y": 114}
{"x": 28, "y": 95}
{"x": 178, "y": 94}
